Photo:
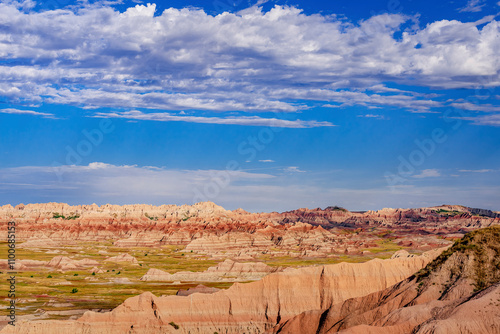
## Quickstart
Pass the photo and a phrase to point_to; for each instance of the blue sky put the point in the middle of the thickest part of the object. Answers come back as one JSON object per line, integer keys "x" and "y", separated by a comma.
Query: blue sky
{"x": 267, "y": 106}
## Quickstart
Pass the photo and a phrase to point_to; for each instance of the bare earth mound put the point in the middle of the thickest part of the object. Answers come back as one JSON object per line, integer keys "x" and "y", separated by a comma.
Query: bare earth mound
{"x": 228, "y": 271}
{"x": 251, "y": 308}
{"x": 459, "y": 292}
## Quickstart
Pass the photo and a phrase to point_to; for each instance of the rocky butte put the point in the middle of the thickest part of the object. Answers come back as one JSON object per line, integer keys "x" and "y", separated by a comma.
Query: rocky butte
{"x": 440, "y": 272}
{"x": 209, "y": 229}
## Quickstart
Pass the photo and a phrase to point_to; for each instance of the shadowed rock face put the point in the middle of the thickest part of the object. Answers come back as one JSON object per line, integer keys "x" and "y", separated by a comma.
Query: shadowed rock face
{"x": 459, "y": 292}
{"x": 254, "y": 307}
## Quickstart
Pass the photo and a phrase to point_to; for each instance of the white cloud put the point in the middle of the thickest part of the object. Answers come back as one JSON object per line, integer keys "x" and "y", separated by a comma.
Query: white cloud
{"x": 476, "y": 170}
{"x": 427, "y": 173}
{"x": 372, "y": 116}
{"x": 105, "y": 183}
{"x": 25, "y": 112}
{"x": 241, "y": 120}
{"x": 365, "y": 98}
{"x": 477, "y": 107}
{"x": 266, "y": 160}
{"x": 293, "y": 169}
{"x": 94, "y": 56}
{"x": 473, "y": 6}
{"x": 491, "y": 120}
{"x": 106, "y": 180}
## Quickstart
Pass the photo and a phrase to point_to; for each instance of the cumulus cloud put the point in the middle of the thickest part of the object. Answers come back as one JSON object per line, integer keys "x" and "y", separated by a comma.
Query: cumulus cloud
{"x": 95, "y": 56}
{"x": 427, "y": 173}
{"x": 241, "y": 120}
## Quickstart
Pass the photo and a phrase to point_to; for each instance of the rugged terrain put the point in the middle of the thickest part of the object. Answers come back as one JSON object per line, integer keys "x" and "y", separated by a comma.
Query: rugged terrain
{"x": 459, "y": 292}
{"x": 456, "y": 291}
{"x": 71, "y": 259}
{"x": 210, "y": 229}
{"x": 252, "y": 308}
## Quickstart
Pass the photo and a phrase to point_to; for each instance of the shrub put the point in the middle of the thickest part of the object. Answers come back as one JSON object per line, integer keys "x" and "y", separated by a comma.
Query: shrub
{"x": 73, "y": 216}
{"x": 173, "y": 324}
{"x": 75, "y": 290}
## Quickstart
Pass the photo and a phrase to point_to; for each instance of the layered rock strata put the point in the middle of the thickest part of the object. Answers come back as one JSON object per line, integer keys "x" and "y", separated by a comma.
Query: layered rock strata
{"x": 251, "y": 308}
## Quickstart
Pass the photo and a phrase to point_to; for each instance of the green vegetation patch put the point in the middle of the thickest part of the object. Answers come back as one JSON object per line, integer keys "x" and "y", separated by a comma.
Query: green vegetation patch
{"x": 449, "y": 212}
{"x": 483, "y": 246}
{"x": 72, "y": 216}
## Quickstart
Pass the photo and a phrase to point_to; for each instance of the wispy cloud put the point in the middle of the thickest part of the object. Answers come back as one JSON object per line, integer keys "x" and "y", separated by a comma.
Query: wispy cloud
{"x": 476, "y": 107}
{"x": 473, "y": 6}
{"x": 491, "y": 120}
{"x": 293, "y": 169}
{"x": 106, "y": 183}
{"x": 25, "y": 112}
{"x": 477, "y": 170}
{"x": 267, "y": 160}
{"x": 241, "y": 120}
{"x": 427, "y": 173}
{"x": 373, "y": 116}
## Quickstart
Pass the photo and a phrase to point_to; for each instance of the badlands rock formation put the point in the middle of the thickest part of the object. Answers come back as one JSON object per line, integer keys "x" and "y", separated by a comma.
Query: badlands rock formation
{"x": 39, "y": 242}
{"x": 65, "y": 263}
{"x": 123, "y": 258}
{"x": 210, "y": 229}
{"x": 227, "y": 271}
{"x": 251, "y": 308}
{"x": 205, "y": 231}
{"x": 200, "y": 288}
{"x": 459, "y": 292}
{"x": 58, "y": 262}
